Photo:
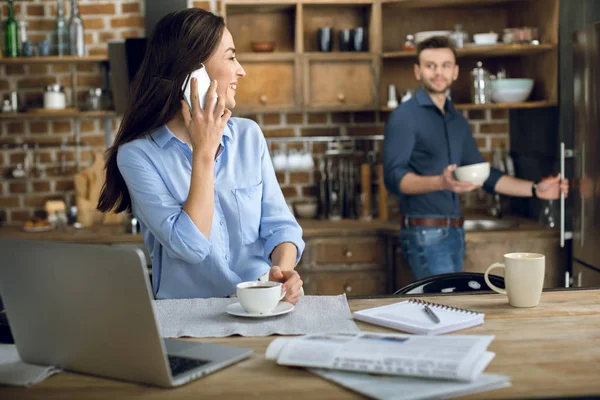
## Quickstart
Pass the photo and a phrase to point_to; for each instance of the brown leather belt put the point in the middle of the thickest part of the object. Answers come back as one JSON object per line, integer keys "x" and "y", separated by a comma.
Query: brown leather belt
{"x": 452, "y": 222}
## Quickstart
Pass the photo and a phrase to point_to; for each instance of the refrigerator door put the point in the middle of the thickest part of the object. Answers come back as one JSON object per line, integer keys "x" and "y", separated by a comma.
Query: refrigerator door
{"x": 586, "y": 185}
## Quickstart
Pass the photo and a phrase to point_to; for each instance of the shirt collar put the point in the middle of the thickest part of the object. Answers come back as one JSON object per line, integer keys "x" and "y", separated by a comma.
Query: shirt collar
{"x": 162, "y": 135}
{"x": 424, "y": 100}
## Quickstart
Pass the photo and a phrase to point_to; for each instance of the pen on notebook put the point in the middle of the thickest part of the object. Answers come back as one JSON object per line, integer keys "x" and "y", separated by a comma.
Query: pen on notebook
{"x": 431, "y": 314}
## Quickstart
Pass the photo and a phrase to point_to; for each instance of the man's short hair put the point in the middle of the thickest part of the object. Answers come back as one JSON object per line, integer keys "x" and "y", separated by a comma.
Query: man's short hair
{"x": 435, "y": 42}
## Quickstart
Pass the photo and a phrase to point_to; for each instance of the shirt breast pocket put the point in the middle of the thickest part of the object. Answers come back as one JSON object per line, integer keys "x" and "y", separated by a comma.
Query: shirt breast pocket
{"x": 249, "y": 201}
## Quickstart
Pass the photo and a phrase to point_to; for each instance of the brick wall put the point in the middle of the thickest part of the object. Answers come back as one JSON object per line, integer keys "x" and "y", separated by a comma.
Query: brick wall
{"x": 22, "y": 198}
{"x": 103, "y": 21}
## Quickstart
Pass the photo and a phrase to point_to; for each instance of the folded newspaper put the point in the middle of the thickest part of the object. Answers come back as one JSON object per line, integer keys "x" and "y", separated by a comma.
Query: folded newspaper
{"x": 455, "y": 357}
{"x": 382, "y": 387}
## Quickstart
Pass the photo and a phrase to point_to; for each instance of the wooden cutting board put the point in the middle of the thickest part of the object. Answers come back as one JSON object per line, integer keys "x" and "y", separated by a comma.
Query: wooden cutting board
{"x": 88, "y": 184}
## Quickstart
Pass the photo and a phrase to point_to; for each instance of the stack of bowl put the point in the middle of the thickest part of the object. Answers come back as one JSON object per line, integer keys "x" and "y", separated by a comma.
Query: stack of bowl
{"x": 511, "y": 90}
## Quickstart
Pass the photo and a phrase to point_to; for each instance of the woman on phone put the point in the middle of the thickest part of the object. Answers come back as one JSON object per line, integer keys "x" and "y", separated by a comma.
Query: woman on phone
{"x": 201, "y": 184}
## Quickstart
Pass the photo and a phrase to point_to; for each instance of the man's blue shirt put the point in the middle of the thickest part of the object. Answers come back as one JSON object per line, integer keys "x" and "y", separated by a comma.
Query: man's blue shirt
{"x": 420, "y": 139}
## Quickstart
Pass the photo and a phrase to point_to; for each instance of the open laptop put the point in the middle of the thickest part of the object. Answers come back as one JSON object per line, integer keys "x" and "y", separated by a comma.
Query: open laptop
{"x": 88, "y": 309}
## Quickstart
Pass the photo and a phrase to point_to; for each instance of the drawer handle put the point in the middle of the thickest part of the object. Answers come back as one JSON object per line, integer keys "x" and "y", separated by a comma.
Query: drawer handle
{"x": 348, "y": 253}
{"x": 341, "y": 97}
{"x": 348, "y": 288}
{"x": 263, "y": 99}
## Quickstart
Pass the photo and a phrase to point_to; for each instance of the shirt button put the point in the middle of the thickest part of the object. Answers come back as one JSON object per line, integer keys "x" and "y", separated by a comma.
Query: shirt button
{"x": 226, "y": 256}
{"x": 221, "y": 222}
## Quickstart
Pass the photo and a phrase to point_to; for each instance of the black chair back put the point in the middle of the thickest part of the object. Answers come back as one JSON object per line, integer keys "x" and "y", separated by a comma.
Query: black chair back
{"x": 451, "y": 283}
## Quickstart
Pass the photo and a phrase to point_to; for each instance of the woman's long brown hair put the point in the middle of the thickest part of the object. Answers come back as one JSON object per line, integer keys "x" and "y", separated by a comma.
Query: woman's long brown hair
{"x": 179, "y": 43}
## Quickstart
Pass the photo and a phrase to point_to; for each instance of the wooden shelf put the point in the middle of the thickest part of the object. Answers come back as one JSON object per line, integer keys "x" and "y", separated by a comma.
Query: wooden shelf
{"x": 253, "y": 3}
{"x": 336, "y": 2}
{"x": 495, "y": 106}
{"x": 258, "y": 57}
{"x": 56, "y": 114}
{"x": 52, "y": 60}
{"x": 339, "y": 55}
{"x": 497, "y": 50}
{"x": 447, "y": 3}
{"x": 246, "y": 110}
{"x": 343, "y": 108}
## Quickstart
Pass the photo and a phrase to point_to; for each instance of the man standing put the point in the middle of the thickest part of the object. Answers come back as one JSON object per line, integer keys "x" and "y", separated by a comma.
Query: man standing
{"x": 426, "y": 138}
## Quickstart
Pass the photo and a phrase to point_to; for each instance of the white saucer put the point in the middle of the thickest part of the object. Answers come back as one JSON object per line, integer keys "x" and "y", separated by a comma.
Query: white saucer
{"x": 282, "y": 308}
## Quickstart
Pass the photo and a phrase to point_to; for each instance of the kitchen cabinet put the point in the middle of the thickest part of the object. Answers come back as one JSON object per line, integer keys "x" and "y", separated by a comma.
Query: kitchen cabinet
{"x": 356, "y": 266}
{"x": 271, "y": 85}
{"x": 350, "y": 81}
{"x": 538, "y": 62}
{"x": 344, "y": 84}
{"x": 488, "y": 248}
{"x": 308, "y": 79}
{"x": 584, "y": 276}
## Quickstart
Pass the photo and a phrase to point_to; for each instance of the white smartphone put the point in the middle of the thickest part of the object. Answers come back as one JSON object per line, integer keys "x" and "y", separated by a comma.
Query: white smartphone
{"x": 203, "y": 86}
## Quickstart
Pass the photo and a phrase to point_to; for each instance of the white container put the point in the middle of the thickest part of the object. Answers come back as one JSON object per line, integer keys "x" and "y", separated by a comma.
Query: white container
{"x": 54, "y": 98}
{"x": 485, "y": 38}
{"x": 392, "y": 99}
{"x": 422, "y": 36}
{"x": 474, "y": 173}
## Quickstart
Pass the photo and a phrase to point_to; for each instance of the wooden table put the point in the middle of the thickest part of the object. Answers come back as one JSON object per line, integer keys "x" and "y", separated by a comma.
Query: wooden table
{"x": 552, "y": 350}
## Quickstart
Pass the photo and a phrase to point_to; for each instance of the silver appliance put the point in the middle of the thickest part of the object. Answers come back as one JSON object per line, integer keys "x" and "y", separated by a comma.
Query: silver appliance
{"x": 586, "y": 182}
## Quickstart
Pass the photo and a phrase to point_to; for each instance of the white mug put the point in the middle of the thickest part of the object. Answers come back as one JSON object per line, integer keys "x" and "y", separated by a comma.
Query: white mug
{"x": 259, "y": 297}
{"x": 523, "y": 278}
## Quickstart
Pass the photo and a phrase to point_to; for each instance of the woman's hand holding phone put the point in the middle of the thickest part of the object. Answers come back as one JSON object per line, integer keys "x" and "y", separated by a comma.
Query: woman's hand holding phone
{"x": 205, "y": 127}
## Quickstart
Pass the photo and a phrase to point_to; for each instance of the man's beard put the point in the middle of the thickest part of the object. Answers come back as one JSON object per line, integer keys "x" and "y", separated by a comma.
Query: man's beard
{"x": 429, "y": 88}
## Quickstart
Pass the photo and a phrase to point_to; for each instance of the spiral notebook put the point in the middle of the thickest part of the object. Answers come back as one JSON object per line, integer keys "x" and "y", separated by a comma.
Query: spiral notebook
{"x": 411, "y": 316}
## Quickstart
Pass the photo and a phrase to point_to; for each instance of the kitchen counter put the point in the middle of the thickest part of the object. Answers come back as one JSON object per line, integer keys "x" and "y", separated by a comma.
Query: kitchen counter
{"x": 110, "y": 234}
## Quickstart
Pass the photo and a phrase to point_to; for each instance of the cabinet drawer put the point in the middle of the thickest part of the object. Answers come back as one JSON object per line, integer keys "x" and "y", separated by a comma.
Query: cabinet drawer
{"x": 341, "y": 84}
{"x": 584, "y": 276}
{"x": 349, "y": 251}
{"x": 267, "y": 85}
{"x": 350, "y": 283}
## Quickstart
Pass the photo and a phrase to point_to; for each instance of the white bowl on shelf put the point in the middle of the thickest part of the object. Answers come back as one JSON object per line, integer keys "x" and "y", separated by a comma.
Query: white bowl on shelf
{"x": 514, "y": 90}
{"x": 485, "y": 38}
{"x": 306, "y": 210}
{"x": 422, "y": 36}
{"x": 474, "y": 173}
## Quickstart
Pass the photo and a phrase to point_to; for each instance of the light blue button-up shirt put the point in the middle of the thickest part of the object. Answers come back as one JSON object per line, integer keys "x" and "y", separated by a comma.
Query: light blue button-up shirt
{"x": 250, "y": 217}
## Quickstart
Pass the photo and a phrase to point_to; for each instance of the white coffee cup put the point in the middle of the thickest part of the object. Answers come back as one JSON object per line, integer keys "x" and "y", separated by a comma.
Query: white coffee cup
{"x": 523, "y": 278}
{"x": 259, "y": 297}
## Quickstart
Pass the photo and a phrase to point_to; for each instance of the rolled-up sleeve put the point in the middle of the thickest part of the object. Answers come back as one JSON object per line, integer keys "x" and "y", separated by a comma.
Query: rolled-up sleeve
{"x": 398, "y": 144}
{"x": 277, "y": 224}
{"x": 471, "y": 155}
{"x": 159, "y": 211}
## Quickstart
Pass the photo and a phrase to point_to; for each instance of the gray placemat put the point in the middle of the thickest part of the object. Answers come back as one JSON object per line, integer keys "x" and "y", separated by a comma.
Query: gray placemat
{"x": 207, "y": 318}
{"x": 15, "y": 372}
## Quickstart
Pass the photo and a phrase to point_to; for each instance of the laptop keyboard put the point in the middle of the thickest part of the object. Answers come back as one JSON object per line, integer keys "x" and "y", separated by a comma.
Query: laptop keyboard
{"x": 180, "y": 365}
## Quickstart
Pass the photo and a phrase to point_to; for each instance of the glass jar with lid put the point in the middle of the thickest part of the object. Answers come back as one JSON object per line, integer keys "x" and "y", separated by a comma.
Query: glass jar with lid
{"x": 481, "y": 86}
{"x": 459, "y": 37}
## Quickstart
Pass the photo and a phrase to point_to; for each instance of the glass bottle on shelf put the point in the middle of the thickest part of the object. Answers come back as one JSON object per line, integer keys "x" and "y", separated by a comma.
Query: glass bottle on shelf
{"x": 60, "y": 42}
{"x": 76, "y": 38}
{"x": 11, "y": 33}
{"x": 459, "y": 37}
{"x": 23, "y": 24}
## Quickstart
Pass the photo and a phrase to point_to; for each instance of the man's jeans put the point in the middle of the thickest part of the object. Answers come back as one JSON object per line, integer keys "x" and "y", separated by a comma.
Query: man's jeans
{"x": 433, "y": 250}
